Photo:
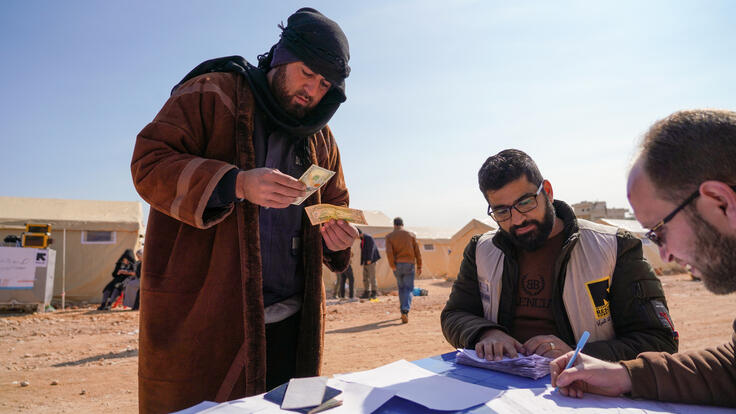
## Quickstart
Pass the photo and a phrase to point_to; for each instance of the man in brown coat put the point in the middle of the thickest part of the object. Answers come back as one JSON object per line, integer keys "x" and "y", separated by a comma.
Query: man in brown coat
{"x": 402, "y": 251}
{"x": 232, "y": 296}
{"x": 682, "y": 187}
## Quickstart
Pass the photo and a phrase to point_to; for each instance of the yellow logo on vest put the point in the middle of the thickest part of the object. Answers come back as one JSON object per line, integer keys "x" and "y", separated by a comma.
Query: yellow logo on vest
{"x": 598, "y": 293}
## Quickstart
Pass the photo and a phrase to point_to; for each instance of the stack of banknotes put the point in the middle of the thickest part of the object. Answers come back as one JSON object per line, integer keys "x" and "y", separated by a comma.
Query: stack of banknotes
{"x": 531, "y": 366}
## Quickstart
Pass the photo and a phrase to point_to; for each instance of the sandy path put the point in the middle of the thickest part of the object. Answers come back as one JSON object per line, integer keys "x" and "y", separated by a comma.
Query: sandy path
{"x": 93, "y": 356}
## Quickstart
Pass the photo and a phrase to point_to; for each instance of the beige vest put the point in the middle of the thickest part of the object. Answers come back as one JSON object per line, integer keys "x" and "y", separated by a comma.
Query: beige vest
{"x": 588, "y": 278}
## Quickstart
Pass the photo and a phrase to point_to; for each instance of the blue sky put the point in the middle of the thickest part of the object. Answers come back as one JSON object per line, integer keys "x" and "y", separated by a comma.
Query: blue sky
{"x": 436, "y": 87}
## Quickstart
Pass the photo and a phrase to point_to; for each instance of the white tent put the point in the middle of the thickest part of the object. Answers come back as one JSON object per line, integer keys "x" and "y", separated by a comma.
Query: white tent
{"x": 88, "y": 236}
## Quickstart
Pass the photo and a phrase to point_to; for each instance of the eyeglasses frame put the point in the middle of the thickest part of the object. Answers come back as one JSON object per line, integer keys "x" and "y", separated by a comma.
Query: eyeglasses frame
{"x": 652, "y": 233}
{"x": 535, "y": 195}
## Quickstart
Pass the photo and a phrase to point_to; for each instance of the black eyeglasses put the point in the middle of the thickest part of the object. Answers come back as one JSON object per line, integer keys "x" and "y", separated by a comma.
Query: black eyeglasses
{"x": 525, "y": 204}
{"x": 652, "y": 234}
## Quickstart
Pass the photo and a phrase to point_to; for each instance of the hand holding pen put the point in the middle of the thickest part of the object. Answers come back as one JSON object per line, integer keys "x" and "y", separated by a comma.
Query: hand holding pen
{"x": 575, "y": 376}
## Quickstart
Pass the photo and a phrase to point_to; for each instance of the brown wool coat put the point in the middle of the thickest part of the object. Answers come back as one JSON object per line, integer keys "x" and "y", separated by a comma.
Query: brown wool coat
{"x": 202, "y": 331}
{"x": 705, "y": 376}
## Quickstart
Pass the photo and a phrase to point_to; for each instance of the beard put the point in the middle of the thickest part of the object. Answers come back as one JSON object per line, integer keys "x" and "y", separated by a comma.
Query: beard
{"x": 286, "y": 99}
{"x": 714, "y": 257}
{"x": 534, "y": 239}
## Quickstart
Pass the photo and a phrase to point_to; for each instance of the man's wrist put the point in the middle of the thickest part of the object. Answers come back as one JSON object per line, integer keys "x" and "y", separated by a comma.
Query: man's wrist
{"x": 239, "y": 186}
{"x": 627, "y": 367}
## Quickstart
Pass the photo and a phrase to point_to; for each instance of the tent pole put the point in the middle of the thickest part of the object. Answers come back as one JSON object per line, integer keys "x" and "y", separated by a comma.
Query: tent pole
{"x": 63, "y": 273}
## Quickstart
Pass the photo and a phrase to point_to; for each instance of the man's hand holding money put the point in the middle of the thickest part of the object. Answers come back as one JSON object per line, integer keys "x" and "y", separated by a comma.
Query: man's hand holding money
{"x": 268, "y": 187}
{"x": 338, "y": 234}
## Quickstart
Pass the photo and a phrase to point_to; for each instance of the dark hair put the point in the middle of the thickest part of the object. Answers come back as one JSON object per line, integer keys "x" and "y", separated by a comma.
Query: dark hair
{"x": 127, "y": 254}
{"x": 689, "y": 147}
{"x": 398, "y": 221}
{"x": 506, "y": 166}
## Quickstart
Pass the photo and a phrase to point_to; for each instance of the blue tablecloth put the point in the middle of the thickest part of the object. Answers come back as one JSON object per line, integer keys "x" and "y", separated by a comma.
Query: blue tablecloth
{"x": 445, "y": 365}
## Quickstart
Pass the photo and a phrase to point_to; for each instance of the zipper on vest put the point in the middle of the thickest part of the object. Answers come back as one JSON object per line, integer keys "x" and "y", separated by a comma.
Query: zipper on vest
{"x": 562, "y": 321}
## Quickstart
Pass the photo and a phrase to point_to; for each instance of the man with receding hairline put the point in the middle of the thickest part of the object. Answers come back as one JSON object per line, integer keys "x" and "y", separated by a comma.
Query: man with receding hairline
{"x": 682, "y": 187}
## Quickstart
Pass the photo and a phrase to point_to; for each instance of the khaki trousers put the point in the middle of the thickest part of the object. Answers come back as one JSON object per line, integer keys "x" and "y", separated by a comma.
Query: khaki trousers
{"x": 369, "y": 277}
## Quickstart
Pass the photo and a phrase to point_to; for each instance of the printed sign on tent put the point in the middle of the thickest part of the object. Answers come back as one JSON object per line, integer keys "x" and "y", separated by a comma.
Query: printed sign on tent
{"x": 17, "y": 267}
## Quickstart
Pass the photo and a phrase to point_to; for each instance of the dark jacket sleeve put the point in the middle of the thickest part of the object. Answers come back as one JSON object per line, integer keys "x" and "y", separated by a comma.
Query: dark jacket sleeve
{"x": 369, "y": 250}
{"x": 117, "y": 268}
{"x": 639, "y": 311}
{"x": 698, "y": 377}
{"x": 462, "y": 319}
{"x": 375, "y": 256}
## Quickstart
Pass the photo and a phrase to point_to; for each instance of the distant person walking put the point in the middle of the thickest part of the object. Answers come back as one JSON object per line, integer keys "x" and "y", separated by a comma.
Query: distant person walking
{"x": 368, "y": 257}
{"x": 402, "y": 251}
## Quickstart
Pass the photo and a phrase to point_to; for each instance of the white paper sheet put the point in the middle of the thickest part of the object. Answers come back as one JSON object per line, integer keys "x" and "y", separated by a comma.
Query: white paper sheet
{"x": 203, "y": 406}
{"x": 547, "y": 400}
{"x": 245, "y": 406}
{"x": 359, "y": 398}
{"x": 423, "y": 387}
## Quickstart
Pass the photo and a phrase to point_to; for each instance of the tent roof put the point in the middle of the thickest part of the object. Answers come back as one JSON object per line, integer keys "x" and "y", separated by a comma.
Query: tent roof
{"x": 376, "y": 218}
{"x": 632, "y": 226}
{"x": 435, "y": 233}
{"x": 379, "y": 224}
{"x": 71, "y": 214}
{"x": 481, "y": 225}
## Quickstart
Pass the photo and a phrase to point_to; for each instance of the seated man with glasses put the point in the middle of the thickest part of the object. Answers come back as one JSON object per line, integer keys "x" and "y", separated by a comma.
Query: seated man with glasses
{"x": 544, "y": 277}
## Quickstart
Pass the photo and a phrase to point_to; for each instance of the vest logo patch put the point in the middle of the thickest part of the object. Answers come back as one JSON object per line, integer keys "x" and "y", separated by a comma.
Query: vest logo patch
{"x": 598, "y": 293}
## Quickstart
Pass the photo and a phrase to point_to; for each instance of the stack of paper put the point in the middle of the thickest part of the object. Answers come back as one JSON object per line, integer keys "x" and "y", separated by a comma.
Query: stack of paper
{"x": 532, "y": 366}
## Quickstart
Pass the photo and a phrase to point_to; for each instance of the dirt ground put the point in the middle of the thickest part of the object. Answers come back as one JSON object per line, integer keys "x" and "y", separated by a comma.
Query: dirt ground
{"x": 81, "y": 360}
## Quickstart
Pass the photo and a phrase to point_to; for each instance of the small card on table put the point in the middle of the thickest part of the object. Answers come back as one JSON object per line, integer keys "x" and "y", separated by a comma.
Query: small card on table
{"x": 304, "y": 392}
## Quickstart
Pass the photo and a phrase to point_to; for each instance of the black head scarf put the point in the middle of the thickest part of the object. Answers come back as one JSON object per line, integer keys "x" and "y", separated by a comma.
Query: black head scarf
{"x": 321, "y": 45}
{"x": 127, "y": 254}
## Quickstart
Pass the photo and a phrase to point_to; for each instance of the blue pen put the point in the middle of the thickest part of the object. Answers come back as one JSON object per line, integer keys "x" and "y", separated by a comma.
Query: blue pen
{"x": 581, "y": 343}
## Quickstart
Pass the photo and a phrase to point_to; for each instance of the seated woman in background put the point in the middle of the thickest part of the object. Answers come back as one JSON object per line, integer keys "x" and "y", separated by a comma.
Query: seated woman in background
{"x": 124, "y": 267}
{"x": 131, "y": 285}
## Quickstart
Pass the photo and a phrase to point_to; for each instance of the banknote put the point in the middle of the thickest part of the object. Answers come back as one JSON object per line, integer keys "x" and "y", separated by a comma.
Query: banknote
{"x": 321, "y": 213}
{"x": 313, "y": 178}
